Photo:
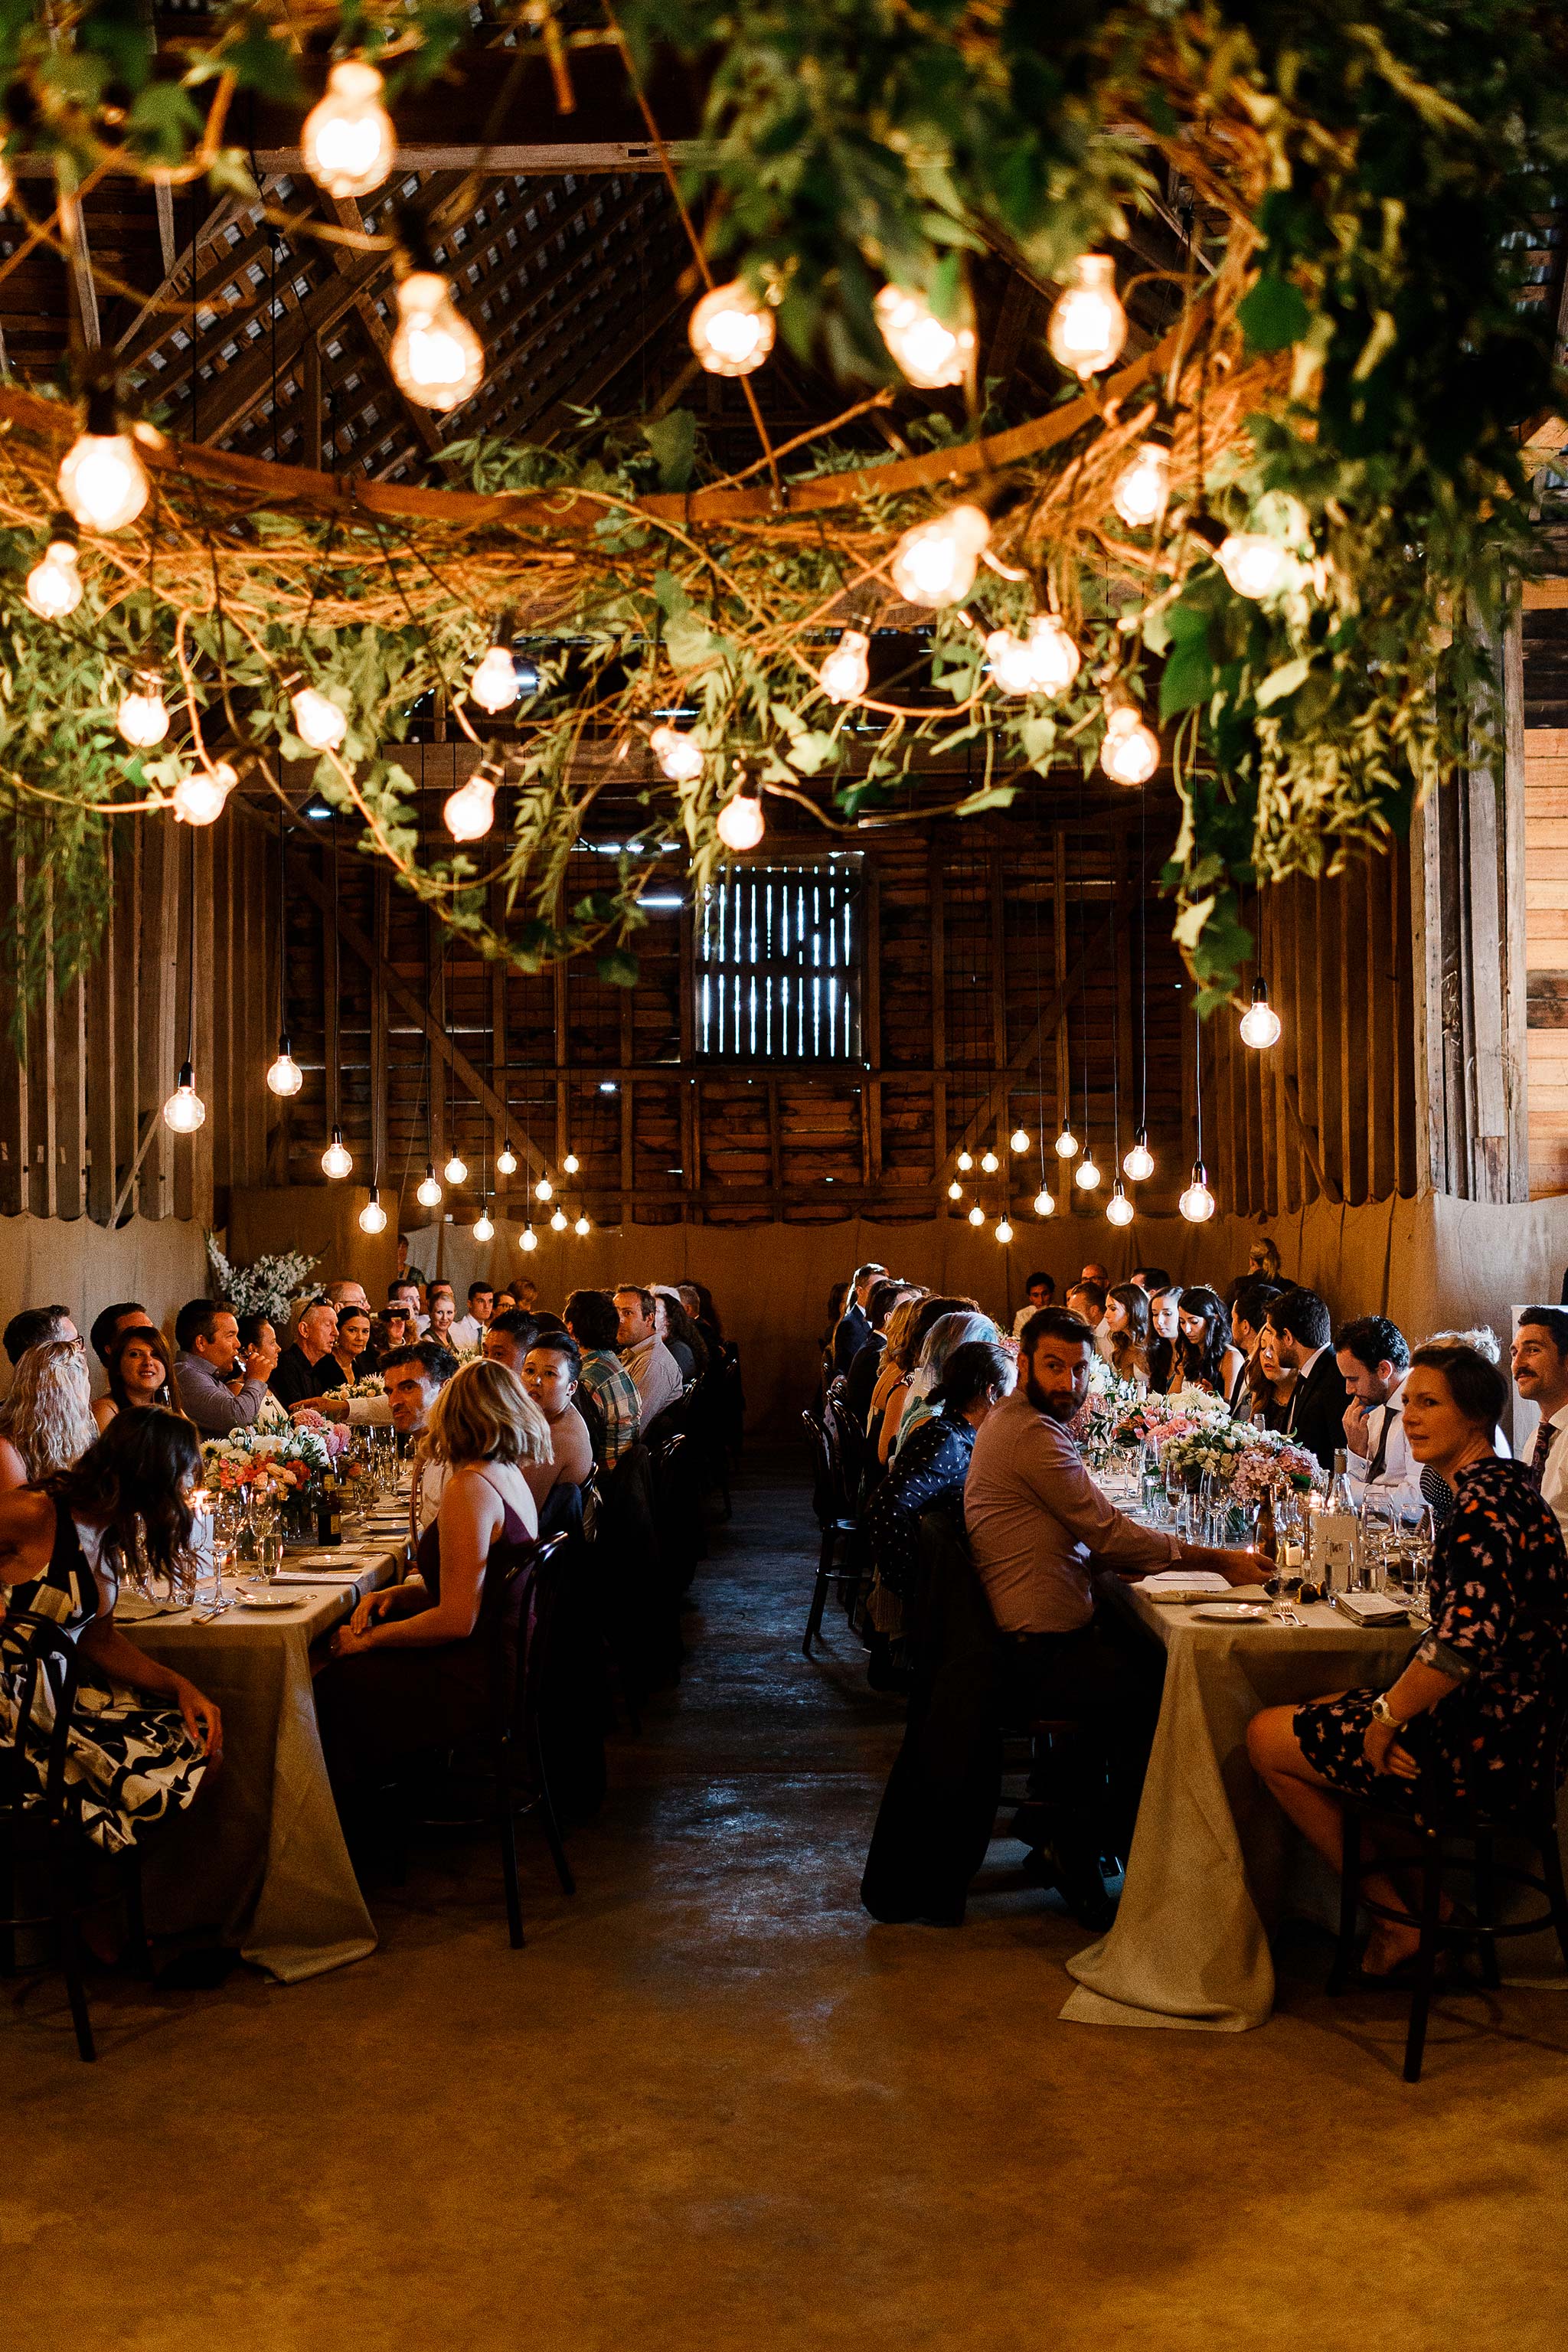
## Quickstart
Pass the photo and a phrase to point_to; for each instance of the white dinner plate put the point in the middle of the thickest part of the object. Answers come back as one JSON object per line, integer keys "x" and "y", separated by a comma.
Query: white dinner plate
{"x": 268, "y": 1601}
{"x": 1234, "y": 1612}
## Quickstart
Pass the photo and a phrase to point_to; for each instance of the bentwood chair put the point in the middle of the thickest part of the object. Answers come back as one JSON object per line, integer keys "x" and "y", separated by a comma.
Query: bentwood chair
{"x": 838, "y": 1559}
{"x": 523, "y": 1666}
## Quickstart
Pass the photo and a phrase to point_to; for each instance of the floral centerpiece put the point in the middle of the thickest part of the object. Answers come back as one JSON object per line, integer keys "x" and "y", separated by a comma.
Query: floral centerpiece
{"x": 268, "y": 1285}
{"x": 372, "y": 1385}
{"x": 280, "y": 1463}
{"x": 1272, "y": 1466}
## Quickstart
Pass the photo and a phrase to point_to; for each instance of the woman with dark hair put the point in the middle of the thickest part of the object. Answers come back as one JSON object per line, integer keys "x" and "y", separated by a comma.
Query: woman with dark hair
{"x": 351, "y": 1349}
{"x": 64, "y": 1549}
{"x": 674, "y": 1326}
{"x": 1473, "y": 1719}
{"x": 1251, "y": 1391}
{"x": 140, "y": 1374}
{"x": 1126, "y": 1332}
{"x": 1165, "y": 1330}
{"x": 930, "y": 1467}
{"x": 1206, "y": 1356}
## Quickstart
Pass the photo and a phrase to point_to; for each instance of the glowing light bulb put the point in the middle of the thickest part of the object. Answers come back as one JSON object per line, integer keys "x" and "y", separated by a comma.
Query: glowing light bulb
{"x": 1256, "y": 565}
{"x": 470, "y": 812}
{"x": 284, "y": 1076}
{"x": 1087, "y": 325}
{"x": 430, "y": 1192}
{"x": 1004, "y": 1230}
{"x": 143, "y": 718}
{"x": 198, "y": 798}
{"x": 7, "y": 185}
{"x": 435, "y": 356}
{"x": 581, "y": 1228}
{"x": 528, "y": 1239}
{"x": 103, "y": 480}
{"x": 1260, "y": 1024}
{"x": 54, "y": 584}
{"x": 373, "y": 1216}
{"x": 1066, "y": 1143}
{"x": 679, "y": 755}
{"x": 571, "y": 1164}
{"x": 934, "y": 563}
{"x": 731, "y": 332}
{"x": 347, "y": 141}
{"x": 184, "y": 1111}
{"x": 1197, "y": 1203}
{"x": 1045, "y": 1203}
{"x": 558, "y": 1221}
{"x": 1138, "y": 1164}
{"x": 977, "y": 1214}
{"x": 1130, "y": 751}
{"x": 741, "y": 821}
{"x": 1019, "y": 1139}
{"x": 1086, "y": 1175}
{"x": 336, "y": 1159}
{"x": 955, "y": 1190}
{"x": 494, "y": 684}
{"x": 506, "y": 1162}
{"x": 965, "y": 1160}
{"x": 1143, "y": 487}
{"x": 989, "y": 1163}
{"x": 320, "y": 723}
{"x": 925, "y": 350}
{"x": 847, "y": 672}
{"x": 1055, "y": 654}
{"x": 1012, "y": 664}
{"x": 484, "y": 1230}
{"x": 544, "y": 1190}
{"x": 1118, "y": 1208}
{"x": 456, "y": 1168}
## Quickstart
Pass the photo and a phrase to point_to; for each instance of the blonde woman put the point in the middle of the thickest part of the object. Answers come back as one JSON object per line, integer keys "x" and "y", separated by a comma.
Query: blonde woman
{"x": 46, "y": 1423}
{"x": 895, "y": 1367}
{"x": 411, "y": 1668}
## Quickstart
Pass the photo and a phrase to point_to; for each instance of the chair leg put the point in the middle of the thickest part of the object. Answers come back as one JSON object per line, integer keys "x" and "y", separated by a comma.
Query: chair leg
{"x": 1551, "y": 1854}
{"x": 1425, "y": 1960}
{"x": 506, "y": 1822}
{"x": 820, "y": 1593}
{"x": 71, "y": 1968}
{"x": 1350, "y": 1903}
{"x": 547, "y": 1814}
{"x": 1486, "y": 1907}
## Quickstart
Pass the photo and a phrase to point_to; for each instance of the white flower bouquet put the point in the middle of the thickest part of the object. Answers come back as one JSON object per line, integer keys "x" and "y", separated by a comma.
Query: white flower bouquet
{"x": 269, "y": 1285}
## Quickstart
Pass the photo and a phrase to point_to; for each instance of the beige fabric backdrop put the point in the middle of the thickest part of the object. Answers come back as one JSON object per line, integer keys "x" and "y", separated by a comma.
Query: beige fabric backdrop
{"x": 161, "y": 1262}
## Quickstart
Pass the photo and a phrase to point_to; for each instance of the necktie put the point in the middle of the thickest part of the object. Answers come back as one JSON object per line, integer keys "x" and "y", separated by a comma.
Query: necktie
{"x": 1543, "y": 1437}
{"x": 1374, "y": 1468}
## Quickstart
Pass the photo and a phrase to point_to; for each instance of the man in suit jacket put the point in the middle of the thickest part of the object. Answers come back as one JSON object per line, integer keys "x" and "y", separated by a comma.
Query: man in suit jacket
{"x": 853, "y": 1328}
{"x": 1300, "y": 1324}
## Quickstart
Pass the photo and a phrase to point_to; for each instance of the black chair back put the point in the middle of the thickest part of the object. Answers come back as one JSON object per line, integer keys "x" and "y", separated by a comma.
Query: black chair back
{"x": 46, "y": 1661}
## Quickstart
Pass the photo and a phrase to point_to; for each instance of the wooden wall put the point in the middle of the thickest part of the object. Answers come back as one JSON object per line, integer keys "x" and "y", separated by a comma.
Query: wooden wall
{"x": 1546, "y": 954}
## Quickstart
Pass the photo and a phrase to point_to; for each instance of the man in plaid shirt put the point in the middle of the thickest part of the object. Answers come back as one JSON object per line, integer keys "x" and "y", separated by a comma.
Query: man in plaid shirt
{"x": 590, "y": 1316}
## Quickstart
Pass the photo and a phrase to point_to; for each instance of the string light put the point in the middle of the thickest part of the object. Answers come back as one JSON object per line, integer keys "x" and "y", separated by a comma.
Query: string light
{"x": 1260, "y": 1024}
{"x": 1045, "y": 1203}
{"x": 1118, "y": 1208}
{"x": 741, "y": 821}
{"x": 965, "y": 1160}
{"x": 846, "y": 674}
{"x": 544, "y": 1190}
{"x": 989, "y": 1163}
{"x": 558, "y": 1221}
{"x": 494, "y": 683}
{"x": 925, "y": 350}
{"x": 1257, "y": 566}
{"x": 1086, "y": 1175}
{"x": 977, "y": 1214}
{"x": 199, "y": 796}
{"x": 732, "y": 330}
{"x": 934, "y": 563}
{"x": 430, "y": 1192}
{"x": 581, "y": 1228}
{"x": 7, "y": 185}
{"x": 102, "y": 480}
{"x": 1044, "y": 660}
{"x": 1138, "y": 1164}
{"x": 1019, "y": 1139}
{"x": 1012, "y": 666}
{"x": 1143, "y": 488}
{"x": 322, "y": 725}
{"x": 955, "y": 1190}
{"x": 54, "y": 585}
{"x": 571, "y": 1164}
{"x": 484, "y": 1230}
{"x": 506, "y": 1160}
{"x": 336, "y": 1159}
{"x": 184, "y": 1111}
{"x": 1004, "y": 1230}
{"x": 143, "y": 718}
{"x": 373, "y": 1216}
{"x": 1087, "y": 325}
{"x": 456, "y": 1168}
{"x": 1130, "y": 751}
{"x": 1066, "y": 1142}
{"x": 679, "y": 755}
{"x": 347, "y": 142}
{"x": 528, "y": 1239}
{"x": 284, "y": 1076}
{"x": 1197, "y": 1203}
{"x": 470, "y": 812}
{"x": 435, "y": 357}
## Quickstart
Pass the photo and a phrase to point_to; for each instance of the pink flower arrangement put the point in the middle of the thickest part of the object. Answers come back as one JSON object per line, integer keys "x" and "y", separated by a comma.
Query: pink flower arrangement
{"x": 1272, "y": 1466}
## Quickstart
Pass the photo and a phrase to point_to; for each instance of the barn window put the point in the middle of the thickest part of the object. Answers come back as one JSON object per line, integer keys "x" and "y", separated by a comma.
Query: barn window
{"x": 777, "y": 964}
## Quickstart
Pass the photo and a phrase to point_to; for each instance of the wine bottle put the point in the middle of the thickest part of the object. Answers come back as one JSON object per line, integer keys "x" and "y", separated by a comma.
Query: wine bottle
{"x": 1336, "y": 1534}
{"x": 329, "y": 1512}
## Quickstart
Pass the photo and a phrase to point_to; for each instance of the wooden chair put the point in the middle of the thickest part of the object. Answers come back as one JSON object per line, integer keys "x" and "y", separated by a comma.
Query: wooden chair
{"x": 522, "y": 1782}
{"x": 838, "y": 1559}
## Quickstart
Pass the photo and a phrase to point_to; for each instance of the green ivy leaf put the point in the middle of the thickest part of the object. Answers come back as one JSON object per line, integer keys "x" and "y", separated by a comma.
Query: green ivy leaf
{"x": 618, "y": 969}
{"x": 1274, "y": 315}
{"x": 673, "y": 440}
{"x": 1189, "y": 677}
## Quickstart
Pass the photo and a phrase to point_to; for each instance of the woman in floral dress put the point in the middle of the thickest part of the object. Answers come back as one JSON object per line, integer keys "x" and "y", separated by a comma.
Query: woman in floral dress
{"x": 1475, "y": 1716}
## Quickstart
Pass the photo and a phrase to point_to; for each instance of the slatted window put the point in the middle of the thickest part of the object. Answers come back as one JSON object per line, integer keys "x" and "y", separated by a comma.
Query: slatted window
{"x": 778, "y": 964}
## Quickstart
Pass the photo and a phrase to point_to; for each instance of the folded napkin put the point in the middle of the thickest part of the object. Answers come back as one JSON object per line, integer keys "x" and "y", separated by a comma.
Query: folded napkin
{"x": 135, "y": 1608}
{"x": 1371, "y": 1608}
{"x": 1167, "y": 1581}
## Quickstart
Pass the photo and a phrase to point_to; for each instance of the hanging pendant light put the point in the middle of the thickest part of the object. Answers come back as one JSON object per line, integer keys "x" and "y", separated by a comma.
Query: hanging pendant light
{"x": 1019, "y": 1139}
{"x": 926, "y": 351}
{"x": 989, "y": 1163}
{"x": 847, "y": 672}
{"x": 470, "y": 812}
{"x": 1197, "y": 1203}
{"x": 1138, "y": 1164}
{"x": 347, "y": 142}
{"x": 54, "y": 585}
{"x": 318, "y": 722}
{"x": 1118, "y": 1208}
{"x": 965, "y": 1160}
{"x": 284, "y": 1076}
{"x": 184, "y": 1111}
{"x": 1131, "y": 751}
{"x": 1066, "y": 1142}
{"x": 528, "y": 1239}
{"x": 435, "y": 355}
{"x": 934, "y": 563}
{"x": 337, "y": 1161}
{"x": 571, "y": 1164}
{"x": 484, "y": 1230}
{"x": 955, "y": 1190}
{"x": 102, "y": 482}
{"x": 1004, "y": 1231}
{"x": 740, "y": 821}
{"x": 1087, "y": 325}
{"x": 456, "y": 1168}
{"x": 373, "y": 1216}
{"x": 680, "y": 756}
{"x": 581, "y": 1228}
{"x": 494, "y": 683}
{"x": 1257, "y": 566}
{"x": 977, "y": 1214}
{"x": 1045, "y": 1203}
{"x": 1143, "y": 487}
{"x": 544, "y": 1190}
{"x": 732, "y": 330}
{"x": 506, "y": 1160}
{"x": 558, "y": 1221}
{"x": 1260, "y": 1024}
{"x": 142, "y": 717}
{"x": 1086, "y": 1175}
{"x": 430, "y": 1192}
{"x": 199, "y": 796}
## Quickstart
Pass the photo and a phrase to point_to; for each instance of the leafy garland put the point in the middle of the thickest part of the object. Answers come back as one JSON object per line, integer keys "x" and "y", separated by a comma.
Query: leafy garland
{"x": 1348, "y": 373}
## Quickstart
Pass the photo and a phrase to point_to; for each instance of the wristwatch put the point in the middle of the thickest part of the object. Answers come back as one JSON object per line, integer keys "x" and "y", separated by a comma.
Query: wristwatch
{"x": 1382, "y": 1713}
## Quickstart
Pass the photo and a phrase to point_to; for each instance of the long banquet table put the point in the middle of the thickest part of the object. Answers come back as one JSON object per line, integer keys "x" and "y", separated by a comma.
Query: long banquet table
{"x": 260, "y": 1857}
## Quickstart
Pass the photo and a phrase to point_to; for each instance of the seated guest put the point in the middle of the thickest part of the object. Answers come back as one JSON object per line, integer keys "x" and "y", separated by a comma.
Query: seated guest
{"x": 128, "y": 1315}
{"x": 592, "y": 1320}
{"x": 1040, "y": 1290}
{"x": 852, "y": 1329}
{"x": 1541, "y": 1376}
{"x": 946, "y": 1334}
{"x": 653, "y": 1368}
{"x": 34, "y": 1325}
{"x": 679, "y": 1334}
{"x": 1374, "y": 1358}
{"x": 469, "y": 1329}
{"x": 1151, "y": 1278}
{"x": 1248, "y": 1312}
{"x": 1300, "y": 1323}
{"x": 929, "y": 1311}
{"x": 309, "y": 1368}
{"x": 405, "y": 1293}
{"x": 1263, "y": 1261}
{"x": 217, "y": 1389}
{"x": 1165, "y": 1332}
{"x": 1473, "y": 1719}
{"x": 1092, "y": 1271}
{"x": 506, "y": 1302}
{"x": 46, "y": 1422}
{"x": 836, "y": 1297}
{"x": 1127, "y": 1333}
{"x": 929, "y": 1470}
{"x": 1275, "y": 1387}
{"x": 441, "y": 1321}
{"x": 550, "y": 1375}
{"x": 526, "y": 1294}
{"x": 894, "y": 1364}
{"x": 140, "y": 1375}
{"x": 698, "y": 1301}
{"x": 414, "y": 1379}
{"x": 338, "y": 1295}
{"x": 351, "y": 1349}
{"x": 259, "y": 1344}
{"x": 1205, "y": 1358}
{"x": 142, "y": 1738}
{"x": 509, "y": 1339}
{"x": 412, "y": 1669}
{"x": 860, "y": 1380}
{"x": 1086, "y": 1299}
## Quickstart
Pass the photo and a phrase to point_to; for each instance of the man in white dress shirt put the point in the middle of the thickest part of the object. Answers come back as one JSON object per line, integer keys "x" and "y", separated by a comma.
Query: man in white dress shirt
{"x": 1374, "y": 1358}
{"x": 1540, "y": 1374}
{"x": 643, "y": 1353}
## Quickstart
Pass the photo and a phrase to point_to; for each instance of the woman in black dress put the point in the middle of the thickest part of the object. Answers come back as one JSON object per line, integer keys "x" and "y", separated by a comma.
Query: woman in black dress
{"x": 1205, "y": 1358}
{"x": 928, "y": 1469}
{"x": 1473, "y": 1719}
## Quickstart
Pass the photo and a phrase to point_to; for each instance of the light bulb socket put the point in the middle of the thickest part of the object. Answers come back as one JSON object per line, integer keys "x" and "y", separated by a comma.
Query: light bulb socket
{"x": 1206, "y": 529}
{"x": 102, "y": 412}
{"x": 1200, "y": 1174}
{"x": 414, "y": 250}
{"x": 63, "y": 531}
{"x": 283, "y": 1053}
{"x": 187, "y": 1077}
{"x": 1261, "y": 991}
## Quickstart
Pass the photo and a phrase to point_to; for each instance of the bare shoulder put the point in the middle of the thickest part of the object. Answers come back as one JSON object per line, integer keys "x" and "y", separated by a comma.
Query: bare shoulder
{"x": 26, "y": 1521}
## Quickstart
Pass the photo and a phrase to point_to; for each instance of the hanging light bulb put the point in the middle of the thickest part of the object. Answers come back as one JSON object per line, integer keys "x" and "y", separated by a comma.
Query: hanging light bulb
{"x": 284, "y": 1076}
{"x": 1086, "y": 1175}
{"x": 955, "y": 1190}
{"x": 1053, "y": 652}
{"x": 571, "y": 1164}
{"x": 989, "y": 1163}
{"x": 581, "y": 1228}
{"x": 1118, "y": 1208}
{"x": 558, "y": 1221}
{"x": 1045, "y": 1203}
{"x": 1130, "y": 751}
{"x": 1197, "y": 1203}
{"x": 1019, "y": 1139}
{"x": 184, "y": 1111}
{"x": 977, "y": 1214}
{"x": 143, "y": 718}
{"x": 347, "y": 141}
{"x": 925, "y": 350}
{"x": 1138, "y": 1164}
{"x": 1012, "y": 664}
{"x": 456, "y": 1168}
{"x": 528, "y": 1239}
{"x": 1260, "y": 1023}
{"x": 494, "y": 683}
{"x": 847, "y": 672}
{"x": 740, "y": 821}
{"x": 435, "y": 357}
{"x": 1066, "y": 1142}
{"x": 934, "y": 563}
{"x": 732, "y": 330}
{"x": 1087, "y": 325}
{"x": 679, "y": 755}
{"x": 54, "y": 584}
{"x": 1144, "y": 484}
{"x": 506, "y": 1160}
{"x": 484, "y": 1230}
{"x": 470, "y": 812}
{"x": 430, "y": 1192}
{"x": 965, "y": 1160}
{"x": 1256, "y": 565}
{"x": 7, "y": 185}
{"x": 336, "y": 1159}
{"x": 1004, "y": 1231}
{"x": 102, "y": 480}
{"x": 198, "y": 798}
{"x": 373, "y": 1216}
{"x": 322, "y": 726}
{"x": 544, "y": 1190}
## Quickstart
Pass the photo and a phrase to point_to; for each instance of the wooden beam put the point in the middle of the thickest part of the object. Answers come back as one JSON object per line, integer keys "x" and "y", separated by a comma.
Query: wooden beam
{"x": 529, "y": 159}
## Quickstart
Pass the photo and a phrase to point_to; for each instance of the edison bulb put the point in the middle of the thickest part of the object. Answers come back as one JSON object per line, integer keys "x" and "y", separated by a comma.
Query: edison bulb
{"x": 494, "y": 684}
{"x": 1143, "y": 488}
{"x": 1066, "y": 1143}
{"x": 1054, "y": 654}
{"x": 955, "y": 1190}
{"x": 558, "y": 1221}
{"x": 1138, "y": 1164}
{"x": 506, "y": 1163}
{"x": 1012, "y": 664}
{"x": 435, "y": 356}
{"x": 965, "y": 1160}
{"x": 456, "y": 1168}
{"x": 104, "y": 481}
{"x": 1256, "y": 565}
{"x": 347, "y": 141}
{"x": 741, "y": 821}
{"x": 322, "y": 724}
{"x": 198, "y": 798}
{"x": 1118, "y": 1208}
{"x": 1019, "y": 1139}
{"x": 484, "y": 1230}
{"x": 731, "y": 332}
{"x": 7, "y": 185}
{"x": 679, "y": 755}
{"x": 934, "y": 563}
{"x": 1086, "y": 1175}
{"x": 284, "y": 1076}
{"x": 977, "y": 1214}
{"x": 184, "y": 1111}
{"x": 544, "y": 1190}
{"x": 528, "y": 1239}
{"x": 470, "y": 812}
{"x": 143, "y": 718}
{"x": 1197, "y": 1203}
{"x": 1004, "y": 1230}
{"x": 925, "y": 350}
{"x": 571, "y": 1164}
{"x": 989, "y": 1163}
{"x": 336, "y": 1159}
{"x": 847, "y": 672}
{"x": 1045, "y": 1203}
{"x": 1130, "y": 751}
{"x": 581, "y": 1228}
{"x": 430, "y": 1192}
{"x": 54, "y": 584}
{"x": 373, "y": 1216}
{"x": 1260, "y": 1024}
{"x": 1087, "y": 325}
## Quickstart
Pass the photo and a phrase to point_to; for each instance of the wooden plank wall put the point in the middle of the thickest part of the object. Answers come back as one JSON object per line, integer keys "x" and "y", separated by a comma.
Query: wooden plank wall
{"x": 1546, "y": 954}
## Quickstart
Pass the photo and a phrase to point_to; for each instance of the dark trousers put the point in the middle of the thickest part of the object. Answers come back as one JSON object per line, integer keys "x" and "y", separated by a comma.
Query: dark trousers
{"x": 1107, "y": 1678}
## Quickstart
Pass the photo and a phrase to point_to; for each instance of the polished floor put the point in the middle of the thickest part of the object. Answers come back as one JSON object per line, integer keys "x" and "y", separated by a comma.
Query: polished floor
{"x": 712, "y": 2105}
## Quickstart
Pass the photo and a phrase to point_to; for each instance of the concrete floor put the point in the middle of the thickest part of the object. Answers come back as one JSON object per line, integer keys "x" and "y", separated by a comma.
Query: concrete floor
{"x": 711, "y": 2104}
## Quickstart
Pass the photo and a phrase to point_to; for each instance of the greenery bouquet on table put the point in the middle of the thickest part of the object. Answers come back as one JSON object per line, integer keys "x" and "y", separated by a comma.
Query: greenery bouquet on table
{"x": 268, "y": 1285}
